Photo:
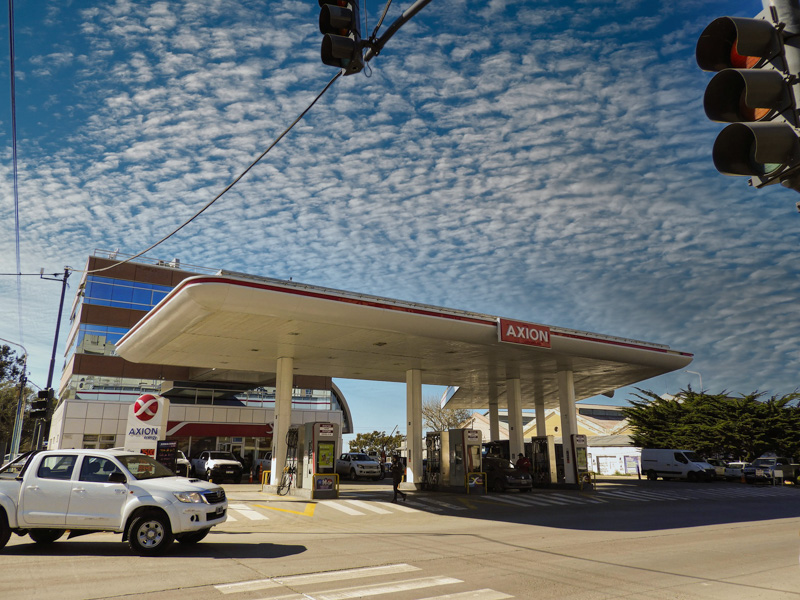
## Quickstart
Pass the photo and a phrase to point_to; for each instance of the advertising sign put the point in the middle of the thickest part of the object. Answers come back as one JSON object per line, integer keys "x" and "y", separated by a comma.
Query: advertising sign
{"x": 325, "y": 456}
{"x": 147, "y": 424}
{"x": 167, "y": 454}
{"x": 519, "y": 332}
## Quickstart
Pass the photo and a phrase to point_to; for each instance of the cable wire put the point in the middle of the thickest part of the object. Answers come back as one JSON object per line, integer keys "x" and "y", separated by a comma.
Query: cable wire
{"x": 14, "y": 155}
{"x": 230, "y": 185}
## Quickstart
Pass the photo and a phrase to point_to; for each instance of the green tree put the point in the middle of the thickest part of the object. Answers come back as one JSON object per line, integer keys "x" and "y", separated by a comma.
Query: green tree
{"x": 717, "y": 424}
{"x": 11, "y": 369}
{"x": 377, "y": 442}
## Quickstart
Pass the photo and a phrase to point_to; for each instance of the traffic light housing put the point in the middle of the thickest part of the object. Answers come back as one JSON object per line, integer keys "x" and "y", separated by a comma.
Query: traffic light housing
{"x": 754, "y": 90}
{"x": 339, "y": 21}
{"x": 40, "y": 407}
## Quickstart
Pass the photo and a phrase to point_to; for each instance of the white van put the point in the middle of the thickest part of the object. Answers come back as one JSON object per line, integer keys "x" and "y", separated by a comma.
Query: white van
{"x": 675, "y": 464}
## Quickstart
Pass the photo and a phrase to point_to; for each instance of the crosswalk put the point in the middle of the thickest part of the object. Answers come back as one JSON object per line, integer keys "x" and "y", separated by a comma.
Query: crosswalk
{"x": 371, "y": 504}
{"x": 365, "y": 582}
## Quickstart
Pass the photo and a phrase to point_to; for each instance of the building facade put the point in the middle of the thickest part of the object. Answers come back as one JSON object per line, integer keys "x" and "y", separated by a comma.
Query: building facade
{"x": 209, "y": 410}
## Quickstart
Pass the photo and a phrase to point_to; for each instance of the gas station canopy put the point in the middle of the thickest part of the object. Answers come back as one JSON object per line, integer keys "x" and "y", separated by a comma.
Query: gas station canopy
{"x": 235, "y": 328}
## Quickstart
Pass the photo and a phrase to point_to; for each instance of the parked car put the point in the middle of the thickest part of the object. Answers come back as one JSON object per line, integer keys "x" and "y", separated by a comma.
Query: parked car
{"x": 47, "y": 493}
{"x": 502, "y": 475}
{"x": 216, "y": 465}
{"x": 358, "y": 464}
{"x": 182, "y": 464}
{"x": 719, "y": 466}
{"x": 735, "y": 470}
{"x": 763, "y": 469}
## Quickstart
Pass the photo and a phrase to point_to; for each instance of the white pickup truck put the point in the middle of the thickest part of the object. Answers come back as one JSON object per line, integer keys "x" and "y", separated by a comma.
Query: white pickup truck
{"x": 45, "y": 494}
{"x": 216, "y": 465}
{"x": 358, "y": 464}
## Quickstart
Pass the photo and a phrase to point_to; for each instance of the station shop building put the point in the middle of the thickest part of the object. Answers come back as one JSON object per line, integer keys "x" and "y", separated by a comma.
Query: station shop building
{"x": 210, "y": 408}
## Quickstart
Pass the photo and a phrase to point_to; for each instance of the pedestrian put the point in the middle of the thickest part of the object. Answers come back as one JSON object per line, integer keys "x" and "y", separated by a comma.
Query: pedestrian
{"x": 523, "y": 463}
{"x": 398, "y": 470}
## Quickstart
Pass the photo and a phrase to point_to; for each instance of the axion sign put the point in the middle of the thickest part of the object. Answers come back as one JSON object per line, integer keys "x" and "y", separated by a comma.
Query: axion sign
{"x": 519, "y": 332}
{"x": 145, "y": 407}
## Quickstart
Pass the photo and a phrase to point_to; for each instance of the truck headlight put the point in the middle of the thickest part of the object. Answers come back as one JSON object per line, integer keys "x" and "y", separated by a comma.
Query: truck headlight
{"x": 191, "y": 497}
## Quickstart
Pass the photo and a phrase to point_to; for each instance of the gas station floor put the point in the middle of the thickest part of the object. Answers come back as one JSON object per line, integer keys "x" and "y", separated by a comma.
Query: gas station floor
{"x": 252, "y": 491}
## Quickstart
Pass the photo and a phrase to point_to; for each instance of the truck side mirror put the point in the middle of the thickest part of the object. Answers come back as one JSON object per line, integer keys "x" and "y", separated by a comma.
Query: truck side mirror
{"x": 117, "y": 477}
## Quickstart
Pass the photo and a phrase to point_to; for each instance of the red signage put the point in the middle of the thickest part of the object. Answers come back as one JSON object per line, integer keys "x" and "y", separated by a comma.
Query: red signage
{"x": 146, "y": 407}
{"x": 519, "y": 332}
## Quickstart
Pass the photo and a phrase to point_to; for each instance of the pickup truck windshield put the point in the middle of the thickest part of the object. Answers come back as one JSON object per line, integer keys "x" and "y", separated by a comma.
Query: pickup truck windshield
{"x": 221, "y": 456}
{"x": 361, "y": 458}
{"x": 143, "y": 467}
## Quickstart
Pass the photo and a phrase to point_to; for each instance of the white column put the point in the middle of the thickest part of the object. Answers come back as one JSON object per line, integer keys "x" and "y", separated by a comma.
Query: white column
{"x": 414, "y": 426}
{"x": 494, "y": 420}
{"x": 569, "y": 421}
{"x": 283, "y": 417}
{"x": 541, "y": 425}
{"x": 514, "y": 398}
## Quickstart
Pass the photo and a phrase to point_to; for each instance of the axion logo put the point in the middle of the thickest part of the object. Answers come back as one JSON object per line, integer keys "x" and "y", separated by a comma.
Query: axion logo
{"x": 145, "y": 407}
{"x": 519, "y": 332}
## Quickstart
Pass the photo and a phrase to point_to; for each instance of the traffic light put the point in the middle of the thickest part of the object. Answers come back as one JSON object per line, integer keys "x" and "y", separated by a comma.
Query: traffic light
{"x": 754, "y": 90}
{"x": 341, "y": 47}
{"x": 40, "y": 406}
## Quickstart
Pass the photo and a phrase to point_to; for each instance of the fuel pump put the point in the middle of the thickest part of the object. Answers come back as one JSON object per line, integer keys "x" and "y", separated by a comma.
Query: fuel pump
{"x": 543, "y": 457}
{"x": 452, "y": 456}
{"x": 580, "y": 452}
{"x": 319, "y": 445}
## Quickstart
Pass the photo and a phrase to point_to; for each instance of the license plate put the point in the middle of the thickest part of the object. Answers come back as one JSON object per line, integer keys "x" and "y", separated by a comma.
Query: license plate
{"x": 220, "y": 510}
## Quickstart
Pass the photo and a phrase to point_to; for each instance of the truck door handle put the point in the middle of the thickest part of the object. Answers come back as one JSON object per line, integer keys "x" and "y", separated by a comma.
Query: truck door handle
{"x": 79, "y": 490}
{"x": 35, "y": 488}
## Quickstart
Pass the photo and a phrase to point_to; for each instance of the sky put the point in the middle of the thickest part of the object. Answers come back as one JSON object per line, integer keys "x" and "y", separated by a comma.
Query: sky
{"x": 545, "y": 161}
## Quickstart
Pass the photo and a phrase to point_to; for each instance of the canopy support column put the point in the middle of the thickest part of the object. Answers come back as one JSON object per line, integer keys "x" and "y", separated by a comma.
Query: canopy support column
{"x": 494, "y": 420}
{"x": 283, "y": 417}
{"x": 514, "y": 398}
{"x": 414, "y": 428}
{"x": 569, "y": 421}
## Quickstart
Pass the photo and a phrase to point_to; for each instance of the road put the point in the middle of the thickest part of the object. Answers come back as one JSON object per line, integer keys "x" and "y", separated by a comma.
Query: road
{"x": 628, "y": 539}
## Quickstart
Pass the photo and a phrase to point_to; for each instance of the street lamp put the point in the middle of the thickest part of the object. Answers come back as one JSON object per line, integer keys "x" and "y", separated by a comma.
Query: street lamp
{"x": 700, "y": 376}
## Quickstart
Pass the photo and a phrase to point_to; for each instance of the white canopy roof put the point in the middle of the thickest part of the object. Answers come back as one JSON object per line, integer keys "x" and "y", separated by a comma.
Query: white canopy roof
{"x": 234, "y": 328}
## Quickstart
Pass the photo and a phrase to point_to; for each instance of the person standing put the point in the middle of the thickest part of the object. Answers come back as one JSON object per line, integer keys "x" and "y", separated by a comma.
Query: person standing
{"x": 398, "y": 470}
{"x": 523, "y": 463}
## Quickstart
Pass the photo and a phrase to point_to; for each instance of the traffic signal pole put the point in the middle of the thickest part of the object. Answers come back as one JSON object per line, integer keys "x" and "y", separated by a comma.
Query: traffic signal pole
{"x": 375, "y": 47}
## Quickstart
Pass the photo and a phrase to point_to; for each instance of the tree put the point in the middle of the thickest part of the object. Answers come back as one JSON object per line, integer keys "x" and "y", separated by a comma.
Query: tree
{"x": 717, "y": 425}
{"x": 436, "y": 418}
{"x": 376, "y": 442}
{"x": 11, "y": 365}
{"x": 11, "y": 370}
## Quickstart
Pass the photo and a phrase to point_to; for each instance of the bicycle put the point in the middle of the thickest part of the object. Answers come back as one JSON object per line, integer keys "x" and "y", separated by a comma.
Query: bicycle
{"x": 286, "y": 481}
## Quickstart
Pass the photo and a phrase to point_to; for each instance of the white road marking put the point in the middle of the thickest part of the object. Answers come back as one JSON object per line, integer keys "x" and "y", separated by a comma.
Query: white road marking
{"x": 310, "y": 578}
{"x": 248, "y": 512}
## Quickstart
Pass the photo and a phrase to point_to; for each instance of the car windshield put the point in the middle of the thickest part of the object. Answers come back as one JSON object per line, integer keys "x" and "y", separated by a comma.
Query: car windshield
{"x": 221, "y": 456}
{"x": 763, "y": 462}
{"x": 692, "y": 457}
{"x": 143, "y": 467}
{"x": 362, "y": 457}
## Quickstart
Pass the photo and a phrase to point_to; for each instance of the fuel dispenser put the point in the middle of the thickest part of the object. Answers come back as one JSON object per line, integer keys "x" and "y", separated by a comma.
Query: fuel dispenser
{"x": 581, "y": 454}
{"x": 544, "y": 460}
{"x": 453, "y": 460}
{"x": 319, "y": 445}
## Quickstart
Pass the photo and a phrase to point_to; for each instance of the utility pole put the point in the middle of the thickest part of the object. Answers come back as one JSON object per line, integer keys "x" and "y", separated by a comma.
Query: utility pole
{"x": 39, "y": 430}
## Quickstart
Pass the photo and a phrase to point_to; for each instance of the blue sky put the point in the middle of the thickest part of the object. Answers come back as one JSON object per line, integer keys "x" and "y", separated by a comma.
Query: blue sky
{"x": 546, "y": 161}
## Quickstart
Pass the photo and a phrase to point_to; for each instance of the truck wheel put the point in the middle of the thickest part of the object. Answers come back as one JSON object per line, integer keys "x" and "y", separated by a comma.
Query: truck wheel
{"x": 691, "y": 477}
{"x": 192, "y": 537}
{"x": 45, "y": 536}
{"x": 497, "y": 485}
{"x": 150, "y": 534}
{"x": 651, "y": 475}
{"x": 353, "y": 476}
{"x": 5, "y": 530}
{"x": 237, "y": 479}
